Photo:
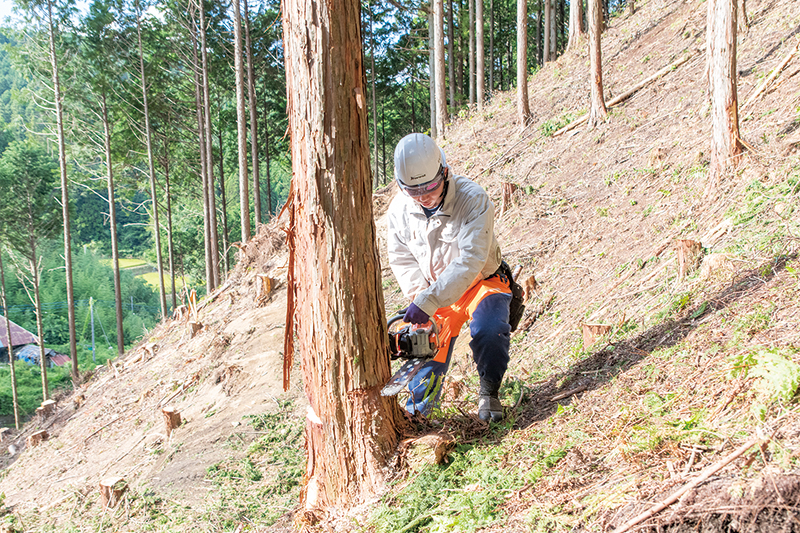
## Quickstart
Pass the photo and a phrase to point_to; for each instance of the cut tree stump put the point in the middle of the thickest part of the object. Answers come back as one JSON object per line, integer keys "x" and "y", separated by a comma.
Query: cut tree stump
{"x": 265, "y": 287}
{"x": 172, "y": 418}
{"x": 430, "y": 449}
{"x": 592, "y": 332}
{"x": 194, "y": 328}
{"x": 508, "y": 190}
{"x": 111, "y": 491}
{"x": 689, "y": 254}
{"x": 37, "y": 438}
{"x": 47, "y": 408}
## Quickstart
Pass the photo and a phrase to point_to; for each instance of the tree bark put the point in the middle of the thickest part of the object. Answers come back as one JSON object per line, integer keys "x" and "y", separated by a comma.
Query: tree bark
{"x": 597, "y": 109}
{"x": 721, "y": 56}
{"x": 548, "y": 22}
{"x": 39, "y": 325}
{"x": 374, "y": 100}
{"x": 224, "y": 200}
{"x": 576, "y": 22}
{"x": 553, "y": 31}
{"x": 480, "y": 89}
{"x": 267, "y": 162}
{"x": 212, "y": 195}
{"x": 251, "y": 93}
{"x": 112, "y": 222}
{"x": 201, "y": 137}
{"x": 432, "y": 70}
{"x": 334, "y": 283}
{"x": 471, "y": 52}
{"x": 451, "y": 67}
{"x": 491, "y": 47}
{"x": 438, "y": 42}
{"x": 523, "y": 107}
{"x": 170, "y": 242}
{"x": 151, "y": 168}
{"x": 62, "y": 165}
{"x": 244, "y": 194}
{"x": 11, "y": 365}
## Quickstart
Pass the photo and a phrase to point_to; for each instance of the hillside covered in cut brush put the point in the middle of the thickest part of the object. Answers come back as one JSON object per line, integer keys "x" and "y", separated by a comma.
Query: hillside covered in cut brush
{"x": 655, "y": 370}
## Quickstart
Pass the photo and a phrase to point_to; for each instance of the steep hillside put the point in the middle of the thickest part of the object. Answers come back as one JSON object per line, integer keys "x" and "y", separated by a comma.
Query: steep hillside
{"x": 691, "y": 367}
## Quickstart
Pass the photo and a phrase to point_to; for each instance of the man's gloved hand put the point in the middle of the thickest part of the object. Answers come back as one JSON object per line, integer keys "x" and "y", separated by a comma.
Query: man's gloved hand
{"x": 415, "y": 315}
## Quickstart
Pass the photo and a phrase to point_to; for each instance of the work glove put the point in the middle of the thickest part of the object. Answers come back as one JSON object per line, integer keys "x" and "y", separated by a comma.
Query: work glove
{"x": 415, "y": 315}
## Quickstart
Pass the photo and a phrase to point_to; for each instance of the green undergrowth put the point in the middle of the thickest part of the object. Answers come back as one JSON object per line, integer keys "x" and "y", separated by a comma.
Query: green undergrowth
{"x": 264, "y": 484}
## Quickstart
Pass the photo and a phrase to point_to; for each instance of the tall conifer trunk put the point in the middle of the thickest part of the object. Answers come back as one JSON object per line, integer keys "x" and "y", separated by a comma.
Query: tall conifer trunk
{"x": 112, "y": 216}
{"x": 62, "y": 165}
{"x": 241, "y": 123}
{"x": 212, "y": 195}
{"x": 251, "y": 101}
{"x": 11, "y": 356}
{"x": 151, "y": 168}
{"x": 334, "y": 268}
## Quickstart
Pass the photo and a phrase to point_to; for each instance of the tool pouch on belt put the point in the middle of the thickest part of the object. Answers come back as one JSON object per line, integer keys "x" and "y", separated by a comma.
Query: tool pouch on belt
{"x": 517, "y": 297}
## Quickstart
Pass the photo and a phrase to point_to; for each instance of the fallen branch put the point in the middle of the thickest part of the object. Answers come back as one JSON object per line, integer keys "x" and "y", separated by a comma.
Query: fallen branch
{"x": 769, "y": 79}
{"x": 568, "y": 393}
{"x": 624, "y": 96}
{"x": 704, "y": 475}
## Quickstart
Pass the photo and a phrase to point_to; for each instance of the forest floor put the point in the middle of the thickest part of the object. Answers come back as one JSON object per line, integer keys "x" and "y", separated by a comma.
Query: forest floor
{"x": 598, "y": 430}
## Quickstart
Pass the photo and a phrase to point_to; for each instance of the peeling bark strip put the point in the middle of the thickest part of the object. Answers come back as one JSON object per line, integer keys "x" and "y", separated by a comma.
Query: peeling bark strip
{"x": 334, "y": 272}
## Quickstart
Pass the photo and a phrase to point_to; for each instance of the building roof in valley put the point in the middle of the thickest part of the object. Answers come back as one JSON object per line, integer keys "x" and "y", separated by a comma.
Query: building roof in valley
{"x": 19, "y": 335}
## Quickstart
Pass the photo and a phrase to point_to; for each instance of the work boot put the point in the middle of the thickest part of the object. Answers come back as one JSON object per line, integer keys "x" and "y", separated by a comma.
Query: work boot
{"x": 490, "y": 408}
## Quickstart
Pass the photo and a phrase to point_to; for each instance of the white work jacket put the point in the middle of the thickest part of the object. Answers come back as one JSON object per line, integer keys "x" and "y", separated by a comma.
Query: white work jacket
{"x": 436, "y": 259}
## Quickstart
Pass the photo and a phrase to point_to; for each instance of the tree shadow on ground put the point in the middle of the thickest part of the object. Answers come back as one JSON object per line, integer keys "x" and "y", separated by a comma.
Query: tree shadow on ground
{"x": 616, "y": 358}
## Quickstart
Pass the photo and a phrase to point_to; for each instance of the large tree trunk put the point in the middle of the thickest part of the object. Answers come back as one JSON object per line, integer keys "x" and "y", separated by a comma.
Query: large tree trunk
{"x": 151, "y": 168}
{"x": 523, "y": 108}
{"x": 597, "y": 110}
{"x": 721, "y": 57}
{"x": 244, "y": 194}
{"x": 251, "y": 94}
{"x": 576, "y": 22}
{"x": 212, "y": 196}
{"x": 438, "y": 43}
{"x": 11, "y": 365}
{"x": 480, "y": 74}
{"x": 334, "y": 271}
{"x": 112, "y": 220}
{"x": 471, "y": 52}
{"x": 62, "y": 164}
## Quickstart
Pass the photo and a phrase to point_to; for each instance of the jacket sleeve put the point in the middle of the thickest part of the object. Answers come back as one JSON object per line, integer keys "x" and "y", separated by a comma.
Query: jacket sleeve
{"x": 475, "y": 239}
{"x": 404, "y": 265}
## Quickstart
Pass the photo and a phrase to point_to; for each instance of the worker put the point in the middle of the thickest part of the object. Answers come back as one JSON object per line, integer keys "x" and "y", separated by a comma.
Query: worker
{"x": 444, "y": 254}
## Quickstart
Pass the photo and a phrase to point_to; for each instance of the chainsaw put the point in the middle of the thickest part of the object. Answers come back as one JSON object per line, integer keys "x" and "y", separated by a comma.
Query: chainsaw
{"x": 415, "y": 344}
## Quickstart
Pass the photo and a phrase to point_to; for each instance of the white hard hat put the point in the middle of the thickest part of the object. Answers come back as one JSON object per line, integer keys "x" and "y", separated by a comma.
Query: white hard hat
{"x": 417, "y": 160}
